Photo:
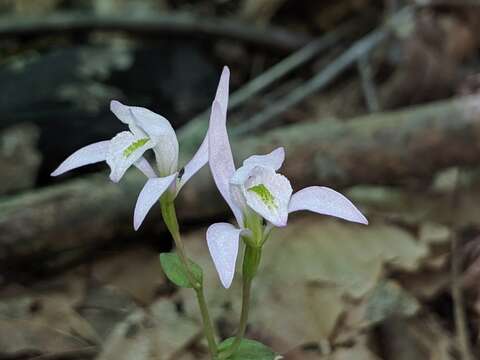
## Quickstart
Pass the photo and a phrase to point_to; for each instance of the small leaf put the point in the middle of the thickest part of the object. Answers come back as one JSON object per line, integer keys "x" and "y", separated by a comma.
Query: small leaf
{"x": 248, "y": 350}
{"x": 176, "y": 272}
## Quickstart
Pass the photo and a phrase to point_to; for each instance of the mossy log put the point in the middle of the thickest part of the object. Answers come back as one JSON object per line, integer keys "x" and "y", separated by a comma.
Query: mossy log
{"x": 386, "y": 148}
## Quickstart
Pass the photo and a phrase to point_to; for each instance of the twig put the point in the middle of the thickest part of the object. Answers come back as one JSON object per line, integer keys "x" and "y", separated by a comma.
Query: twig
{"x": 171, "y": 23}
{"x": 323, "y": 78}
{"x": 457, "y": 293}
{"x": 267, "y": 78}
{"x": 456, "y": 3}
{"x": 87, "y": 352}
{"x": 368, "y": 85}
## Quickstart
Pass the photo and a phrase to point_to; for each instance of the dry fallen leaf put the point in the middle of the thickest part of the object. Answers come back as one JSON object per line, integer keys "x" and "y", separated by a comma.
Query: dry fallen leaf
{"x": 309, "y": 274}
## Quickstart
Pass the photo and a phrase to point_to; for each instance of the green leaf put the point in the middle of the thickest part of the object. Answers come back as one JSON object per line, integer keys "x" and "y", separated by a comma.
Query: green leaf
{"x": 176, "y": 271}
{"x": 248, "y": 350}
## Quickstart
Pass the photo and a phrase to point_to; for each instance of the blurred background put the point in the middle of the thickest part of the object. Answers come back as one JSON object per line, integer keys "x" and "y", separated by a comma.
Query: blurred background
{"x": 376, "y": 98}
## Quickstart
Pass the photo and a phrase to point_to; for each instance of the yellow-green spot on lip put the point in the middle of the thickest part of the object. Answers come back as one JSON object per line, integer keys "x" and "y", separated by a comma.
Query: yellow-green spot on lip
{"x": 134, "y": 146}
{"x": 264, "y": 194}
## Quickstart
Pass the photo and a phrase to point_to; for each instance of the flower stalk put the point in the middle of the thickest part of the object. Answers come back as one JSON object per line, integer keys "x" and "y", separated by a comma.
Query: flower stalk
{"x": 251, "y": 261}
{"x": 170, "y": 219}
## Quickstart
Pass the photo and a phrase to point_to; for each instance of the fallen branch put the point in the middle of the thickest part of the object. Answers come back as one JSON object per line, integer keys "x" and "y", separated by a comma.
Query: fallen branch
{"x": 385, "y": 148}
{"x": 165, "y": 23}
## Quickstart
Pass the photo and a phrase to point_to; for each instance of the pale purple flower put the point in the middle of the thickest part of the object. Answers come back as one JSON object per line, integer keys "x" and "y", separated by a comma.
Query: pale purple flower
{"x": 256, "y": 191}
{"x": 147, "y": 131}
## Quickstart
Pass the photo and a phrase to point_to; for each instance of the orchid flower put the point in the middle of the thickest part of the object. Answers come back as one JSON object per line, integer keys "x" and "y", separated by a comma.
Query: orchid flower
{"x": 256, "y": 193}
{"x": 147, "y": 131}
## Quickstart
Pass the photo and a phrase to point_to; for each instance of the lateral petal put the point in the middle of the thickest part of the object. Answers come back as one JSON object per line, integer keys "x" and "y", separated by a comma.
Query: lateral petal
{"x": 223, "y": 89}
{"x": 201, "y": 156}
{"x": 326, "y": 201}
{"x": 162, "y": 133}
{"x": 89, "y": 154}
{"x": 144, "y": 166}
{"x": 151, "y": 192}
{"x": 220, "y": 157}
{"x": 125, "y": 115}
{"x": 196, "y": 163}
{"x": 222, "y": 241}
{"x": 273, "y": 160}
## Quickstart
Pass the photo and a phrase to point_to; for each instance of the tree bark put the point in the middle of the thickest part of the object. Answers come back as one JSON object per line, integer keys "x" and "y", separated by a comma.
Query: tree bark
{"x": 386, "y": 148}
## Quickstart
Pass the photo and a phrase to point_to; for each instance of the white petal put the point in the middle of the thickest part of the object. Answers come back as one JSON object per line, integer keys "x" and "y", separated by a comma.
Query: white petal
{"x": 196, "y": 163}
{"x": 143, "y": 122}
{"x": 268, "y": 194}
{"x": 273, "y": 160}
{"x": 326, "y": 201}
{"x": 161, "y": 132}
{"x": 89, "y": 154}
{"x": 144, "y": 166}
{"x": 123, "y": 151}
{"x": 151, "y": 192}
{"x": 222, "y": 240}
{"x": 237, "y": 185}
{"x": 220, "y": 157}
{"x": 121, "y": 111}
{"x": 222, "y": 90}
{"x": 201, "y": 156}
{"x": 125, "y": 115}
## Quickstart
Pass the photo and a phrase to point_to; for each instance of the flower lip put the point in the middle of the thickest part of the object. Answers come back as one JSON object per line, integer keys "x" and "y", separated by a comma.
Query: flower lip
{"x": 123, "y": 151}
{"x": 262, "y": 190}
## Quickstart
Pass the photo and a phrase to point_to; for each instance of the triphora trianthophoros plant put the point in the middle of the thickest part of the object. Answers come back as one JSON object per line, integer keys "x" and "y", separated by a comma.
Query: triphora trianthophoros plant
{"x": 258, "y": 196}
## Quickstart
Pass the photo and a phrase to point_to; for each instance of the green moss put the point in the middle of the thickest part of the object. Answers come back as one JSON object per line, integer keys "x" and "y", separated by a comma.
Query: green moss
{"x": 264, "y": 194}
{"x": 134, "y": 146}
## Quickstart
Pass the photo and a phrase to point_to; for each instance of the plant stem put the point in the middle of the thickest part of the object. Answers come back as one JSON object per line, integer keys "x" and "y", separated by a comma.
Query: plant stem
{"x": 207, "y": 322}
{"x": 251, "y": 260}
{"x": 247, "y": 284}
{"x": 170, "y": 218}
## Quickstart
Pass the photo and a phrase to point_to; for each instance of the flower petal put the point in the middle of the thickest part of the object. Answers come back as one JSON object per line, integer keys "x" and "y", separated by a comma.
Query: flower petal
{"x": 195, "y": 164}
{"x": 222, "y": 240}
{"x": 220, "y": 157}
{"x": 89, "y": 154}
{"x": 144, "y": 166}
{"x": 161, "y": 132}
{"x": 125, "y": 115}
{"x": 222, "y": 90}
{"x": 121, "y": 111}
{"x": 143, "y": 122}
{"x": 326, "y": 201}
{"x": 151, "y": 192}
{"x": 201, "y": 156}
{"x": 268, "y": 194}
{"x": 273, "y": 160}
{"x": 123, "y": 151}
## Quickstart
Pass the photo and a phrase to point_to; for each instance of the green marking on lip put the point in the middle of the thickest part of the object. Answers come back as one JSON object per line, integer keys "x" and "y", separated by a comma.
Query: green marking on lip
{"x": 134, "y": 146}
{"x": 265, "y": 195}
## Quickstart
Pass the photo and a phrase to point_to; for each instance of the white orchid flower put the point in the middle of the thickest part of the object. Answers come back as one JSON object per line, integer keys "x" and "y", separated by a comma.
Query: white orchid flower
{"x": 148, "y": 130}
{"x": 256, "y": 192}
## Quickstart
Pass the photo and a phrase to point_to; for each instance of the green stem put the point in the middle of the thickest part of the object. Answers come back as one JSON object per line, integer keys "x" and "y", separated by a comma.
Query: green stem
{"x": 207, "y": 322}
{"x": 251, "y": 261}
{"x": 170, "y": 218}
